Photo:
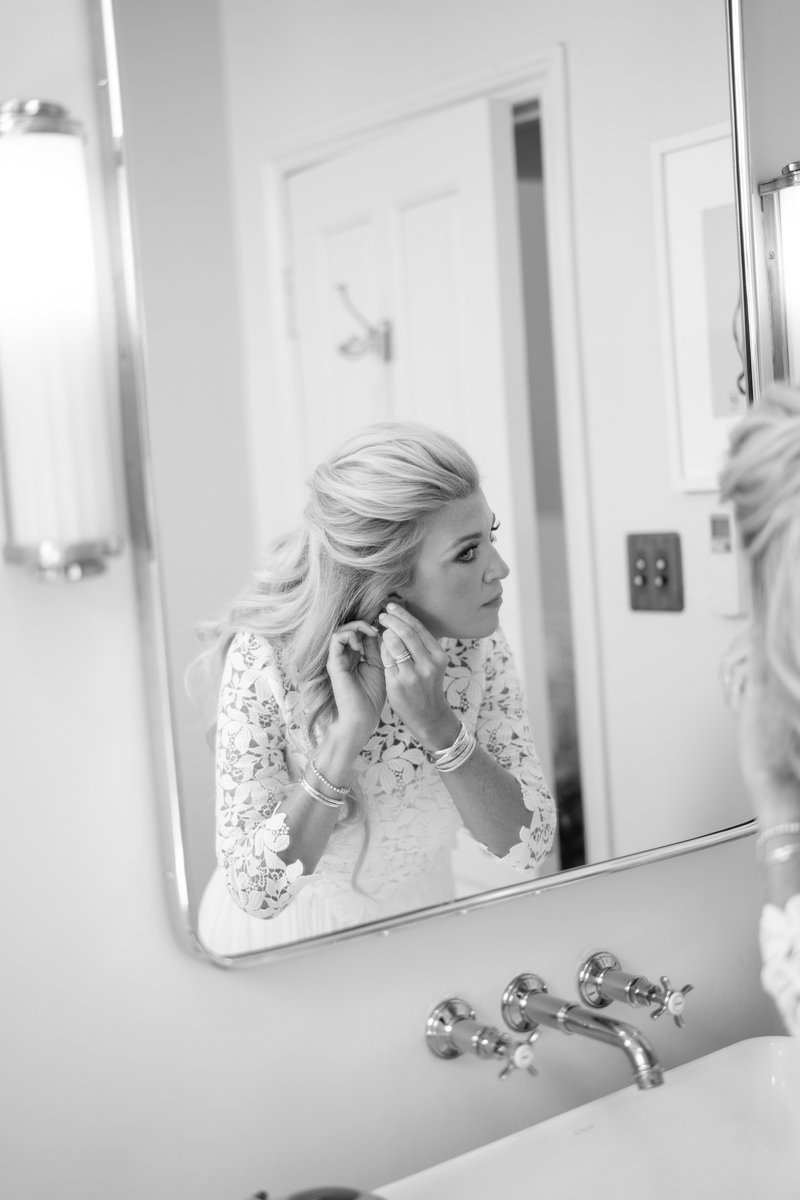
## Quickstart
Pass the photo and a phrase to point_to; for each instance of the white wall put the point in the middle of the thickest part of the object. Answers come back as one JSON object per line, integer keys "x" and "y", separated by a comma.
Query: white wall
{"x": 130, "y": 1070}
{"x": 636, "y": 73}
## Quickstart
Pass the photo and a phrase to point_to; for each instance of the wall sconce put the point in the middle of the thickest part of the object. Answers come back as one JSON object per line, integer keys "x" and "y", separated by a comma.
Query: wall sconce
{"x": 780, "y": 202}
{"x": 55, "y": 458}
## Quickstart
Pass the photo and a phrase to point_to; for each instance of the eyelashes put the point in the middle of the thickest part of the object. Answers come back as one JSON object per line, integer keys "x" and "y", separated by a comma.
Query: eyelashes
{"x": 467, "y": 555}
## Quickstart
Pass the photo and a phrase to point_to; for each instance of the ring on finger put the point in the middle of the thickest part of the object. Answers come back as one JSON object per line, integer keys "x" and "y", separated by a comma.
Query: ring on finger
{"x": 403, "y": 658}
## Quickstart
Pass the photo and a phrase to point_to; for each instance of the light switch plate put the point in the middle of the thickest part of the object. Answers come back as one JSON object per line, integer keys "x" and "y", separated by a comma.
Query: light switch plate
{"x": 655, "y": 572}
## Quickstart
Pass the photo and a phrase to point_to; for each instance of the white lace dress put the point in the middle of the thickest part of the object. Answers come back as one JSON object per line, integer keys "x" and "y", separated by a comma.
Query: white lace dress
{"x": 780, "y": 952}
{"x": 254, "y": 901}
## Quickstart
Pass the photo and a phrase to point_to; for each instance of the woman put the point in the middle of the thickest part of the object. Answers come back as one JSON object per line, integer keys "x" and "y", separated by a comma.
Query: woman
{"x": 762, "y": 479}
{"x": 369, "y": 705}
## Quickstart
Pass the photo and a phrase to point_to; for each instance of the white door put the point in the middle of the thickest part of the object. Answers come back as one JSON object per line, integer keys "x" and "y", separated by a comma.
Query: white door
{"x": 420, "y": 226}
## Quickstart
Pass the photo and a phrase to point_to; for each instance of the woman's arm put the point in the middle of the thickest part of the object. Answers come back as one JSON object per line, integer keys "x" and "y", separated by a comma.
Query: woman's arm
{"x": 271, "y": 831}
{"x": 499, "y": 791}
{"x": 773, "y": 787}
{"x": 774, "y": 791}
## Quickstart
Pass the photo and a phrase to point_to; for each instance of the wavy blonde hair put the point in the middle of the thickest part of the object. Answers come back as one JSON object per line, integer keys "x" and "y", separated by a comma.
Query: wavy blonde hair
{"x": 369, "y": 508}
{"x": 762, "y": 480}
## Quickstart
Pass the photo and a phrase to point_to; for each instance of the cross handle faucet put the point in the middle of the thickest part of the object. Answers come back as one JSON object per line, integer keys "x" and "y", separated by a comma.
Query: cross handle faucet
{"x": 601, "y": 980}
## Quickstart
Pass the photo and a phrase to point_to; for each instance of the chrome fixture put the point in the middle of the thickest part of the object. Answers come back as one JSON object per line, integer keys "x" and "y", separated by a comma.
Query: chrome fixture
{"x": 56, "y": 361}
{"x": 452, "y": 1030}
{"x": 600, "y": 981}
{"x": 526, "y": 1004}
{"x": 322, "y": 1193}
{"x": 780, "y": 203}
{"x": 376, "y": 339}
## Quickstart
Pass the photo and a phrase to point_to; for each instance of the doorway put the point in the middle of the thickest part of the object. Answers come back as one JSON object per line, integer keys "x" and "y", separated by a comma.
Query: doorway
{"x": 551, "y": 526}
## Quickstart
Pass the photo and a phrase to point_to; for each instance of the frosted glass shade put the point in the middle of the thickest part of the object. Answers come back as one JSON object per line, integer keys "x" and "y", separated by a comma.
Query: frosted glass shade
{"x": 57, "y": 476}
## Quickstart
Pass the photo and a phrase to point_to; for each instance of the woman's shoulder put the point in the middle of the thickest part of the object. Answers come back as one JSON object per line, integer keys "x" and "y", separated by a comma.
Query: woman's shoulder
{"x": 248, "y": 650}
{"x": 250, "y": 655}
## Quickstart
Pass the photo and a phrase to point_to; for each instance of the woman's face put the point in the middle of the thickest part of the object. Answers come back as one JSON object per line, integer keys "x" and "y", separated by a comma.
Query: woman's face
{"x": 456, "y": 590}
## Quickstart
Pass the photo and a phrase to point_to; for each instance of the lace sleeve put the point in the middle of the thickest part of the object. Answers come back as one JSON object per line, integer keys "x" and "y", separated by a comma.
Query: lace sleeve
{"x": 780, "y": 951}
{"x": 504, "y": 731}
{"x": 252, "y": 777}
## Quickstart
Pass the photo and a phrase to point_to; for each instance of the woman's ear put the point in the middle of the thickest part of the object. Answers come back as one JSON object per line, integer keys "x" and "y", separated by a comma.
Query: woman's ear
{"x": 396, "y": 598}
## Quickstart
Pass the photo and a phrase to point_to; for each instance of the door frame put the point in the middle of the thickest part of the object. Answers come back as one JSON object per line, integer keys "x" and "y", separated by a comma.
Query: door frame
{"x": 540, "y": 79}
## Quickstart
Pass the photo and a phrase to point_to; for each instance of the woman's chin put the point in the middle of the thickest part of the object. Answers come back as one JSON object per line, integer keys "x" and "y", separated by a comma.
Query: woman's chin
{"x": 483, "y": 626}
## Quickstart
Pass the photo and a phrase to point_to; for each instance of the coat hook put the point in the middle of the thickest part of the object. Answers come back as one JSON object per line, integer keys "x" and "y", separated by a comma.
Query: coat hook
{"x": 377, "y": 339}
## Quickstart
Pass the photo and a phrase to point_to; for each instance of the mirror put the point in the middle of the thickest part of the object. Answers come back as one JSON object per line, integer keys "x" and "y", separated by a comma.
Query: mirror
{"x": 606, "y": 278}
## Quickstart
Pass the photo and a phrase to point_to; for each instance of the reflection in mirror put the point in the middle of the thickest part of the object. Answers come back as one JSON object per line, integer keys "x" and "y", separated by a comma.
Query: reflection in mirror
{"x": 370, "y": 709}
{"x": 363, "y": 225}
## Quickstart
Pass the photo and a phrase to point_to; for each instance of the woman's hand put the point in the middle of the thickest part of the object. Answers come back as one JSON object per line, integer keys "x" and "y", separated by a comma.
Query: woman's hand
{"x": 357, "y": 678}
{"x": 415, "y": 686}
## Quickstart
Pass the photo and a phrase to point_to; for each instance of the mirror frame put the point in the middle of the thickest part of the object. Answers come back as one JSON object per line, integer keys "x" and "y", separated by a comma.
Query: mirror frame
{"x": 143, "y": 522}
{"x": 743, "y": 194}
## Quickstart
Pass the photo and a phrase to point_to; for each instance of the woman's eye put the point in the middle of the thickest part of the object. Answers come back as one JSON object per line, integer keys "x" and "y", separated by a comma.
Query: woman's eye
{"x": 468, "y": 554}
{"x": 493, "y": 533}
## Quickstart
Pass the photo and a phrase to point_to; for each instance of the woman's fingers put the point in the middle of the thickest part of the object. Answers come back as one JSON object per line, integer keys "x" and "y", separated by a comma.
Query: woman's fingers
{"x": 349, "y": 637}
{"x": 392, "y": 648}
{"x": 401, "y": 636}
{"x": 412, "y": 632}
{"x": 372, "y": 651}
{"x": 360, "y": 627}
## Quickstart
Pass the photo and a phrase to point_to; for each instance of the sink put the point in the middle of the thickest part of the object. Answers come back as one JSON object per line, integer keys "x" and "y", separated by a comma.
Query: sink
{"x": 723, "y": 1127}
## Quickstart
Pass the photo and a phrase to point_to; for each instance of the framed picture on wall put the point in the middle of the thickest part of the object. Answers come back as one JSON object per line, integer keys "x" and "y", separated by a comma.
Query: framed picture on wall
{"x": 700, "y": 301}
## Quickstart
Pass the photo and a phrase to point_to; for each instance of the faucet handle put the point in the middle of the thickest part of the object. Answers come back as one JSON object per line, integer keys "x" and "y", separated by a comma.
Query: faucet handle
{"x": 601, "y": 980}
{"x": 671, "y": 1000}
{"x": 452, "y": 1030}
{"x": 521, "y": 1056}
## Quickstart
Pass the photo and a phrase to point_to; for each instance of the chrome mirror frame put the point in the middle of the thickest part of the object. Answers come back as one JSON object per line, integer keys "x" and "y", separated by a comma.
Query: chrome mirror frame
{"x": 138, "y": 476}
{"x": 743, "y": 192}
{"x": 144, "y": 540}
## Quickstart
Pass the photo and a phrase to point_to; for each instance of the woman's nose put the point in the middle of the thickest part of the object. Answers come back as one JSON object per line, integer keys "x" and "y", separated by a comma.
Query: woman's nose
{"x": 498, "y": 568}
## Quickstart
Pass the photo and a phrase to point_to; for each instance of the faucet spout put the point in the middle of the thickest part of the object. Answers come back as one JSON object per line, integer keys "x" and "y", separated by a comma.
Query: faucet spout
{"x": 571, "y": 1018}
{"x": 647, "y": 1071}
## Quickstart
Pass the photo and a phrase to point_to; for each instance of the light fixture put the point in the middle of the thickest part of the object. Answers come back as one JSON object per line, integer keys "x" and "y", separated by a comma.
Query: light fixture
{"x": 55, "y": 457}
{"x": 780, "y": 202}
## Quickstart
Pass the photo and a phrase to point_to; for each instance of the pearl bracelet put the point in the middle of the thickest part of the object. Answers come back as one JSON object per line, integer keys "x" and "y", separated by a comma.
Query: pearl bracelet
{"x": 776, "y": 831}
{"x": 340, "y": 791}
{"x": 781, "y": 855}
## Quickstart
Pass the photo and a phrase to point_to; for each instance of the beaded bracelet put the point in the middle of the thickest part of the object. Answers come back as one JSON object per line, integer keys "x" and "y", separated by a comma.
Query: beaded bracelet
{"x": 776, "y": 831}
{"x": 315, "y": 795}
{"x": 340, "y": 791}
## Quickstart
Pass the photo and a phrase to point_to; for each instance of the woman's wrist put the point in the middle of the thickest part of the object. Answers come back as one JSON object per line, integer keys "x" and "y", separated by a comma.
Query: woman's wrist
{"x": 441, "y": 734}
{"x": 776, "y": 802}
{"x": 336, "y": 755}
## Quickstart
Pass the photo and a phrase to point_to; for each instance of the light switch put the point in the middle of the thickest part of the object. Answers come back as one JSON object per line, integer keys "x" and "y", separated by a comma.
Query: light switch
{"x": 729, "y": 590}
{"x": 655, "y": 572}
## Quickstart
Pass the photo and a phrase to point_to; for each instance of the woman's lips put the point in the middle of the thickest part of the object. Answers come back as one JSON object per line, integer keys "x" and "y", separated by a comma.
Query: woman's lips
{"x": 498, "y": 600}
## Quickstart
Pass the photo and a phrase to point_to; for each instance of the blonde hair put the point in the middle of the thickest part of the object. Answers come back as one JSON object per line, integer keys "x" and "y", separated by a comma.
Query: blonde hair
{"x": 762, "y": 480}
{"x": 368, "y": 510}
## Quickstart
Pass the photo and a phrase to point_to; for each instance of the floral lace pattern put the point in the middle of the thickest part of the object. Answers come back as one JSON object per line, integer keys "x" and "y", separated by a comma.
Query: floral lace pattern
{"x": 262, "y": 750}
{"x": 780, "y": 950}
